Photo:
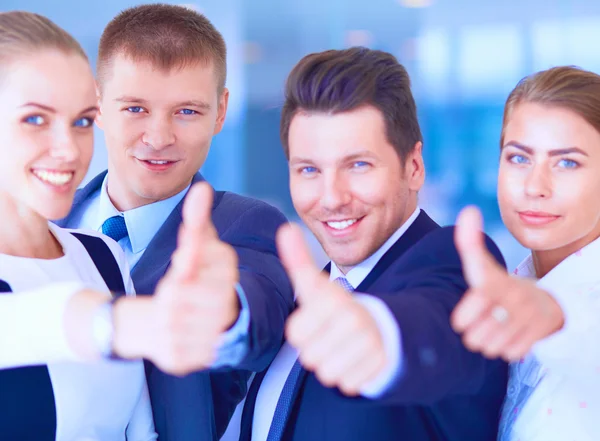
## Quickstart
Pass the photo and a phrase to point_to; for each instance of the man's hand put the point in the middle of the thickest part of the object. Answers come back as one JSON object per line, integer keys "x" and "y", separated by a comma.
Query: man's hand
{"x": 196, "y": 301}
{"x": 500, "y": 315}
{"x": 336, "y": 336}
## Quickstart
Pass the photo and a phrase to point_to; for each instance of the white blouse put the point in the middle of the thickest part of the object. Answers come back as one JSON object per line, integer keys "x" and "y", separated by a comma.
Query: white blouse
{"x": 102, "y": 401}
{"x": 554, "y": 392}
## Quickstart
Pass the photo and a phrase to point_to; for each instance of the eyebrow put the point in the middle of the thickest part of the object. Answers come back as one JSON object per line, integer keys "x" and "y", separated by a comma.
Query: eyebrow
{"x": 556, "y": 152}
{"x": 41, "y": 106}
{"x": 189, "y": 103}
{"x": 351, "y": 157}
{"x": 53, "y": 110}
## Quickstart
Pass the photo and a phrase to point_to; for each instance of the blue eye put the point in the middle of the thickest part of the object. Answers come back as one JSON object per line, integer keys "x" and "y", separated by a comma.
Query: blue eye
{"x": 36, "y": 120}
{"x": 308, "y": 170}
{"x": 360, "y": 164}
{"x": 568, "y": 163}
{"x": 187, "y": 112}
{"x": 518, "y": 159}
{"x": 84, "y": 122}
{"x": 135, "y": 109}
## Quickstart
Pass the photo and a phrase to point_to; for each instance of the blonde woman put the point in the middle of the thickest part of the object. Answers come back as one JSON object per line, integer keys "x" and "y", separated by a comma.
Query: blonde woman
{"x": 47, "y": 110}
{"x": 546, "y": 319}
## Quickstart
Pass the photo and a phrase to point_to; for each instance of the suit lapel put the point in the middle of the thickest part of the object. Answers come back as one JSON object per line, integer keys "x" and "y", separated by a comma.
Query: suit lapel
{"x": 422, "y": 225}
{"x": 250, "y": 406}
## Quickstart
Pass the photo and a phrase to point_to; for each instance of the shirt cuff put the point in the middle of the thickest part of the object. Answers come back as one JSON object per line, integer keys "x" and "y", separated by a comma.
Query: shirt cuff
{"x": 392, "y": 343}
{"x": 234, "y": 343}
{"x": 34, "y": 319}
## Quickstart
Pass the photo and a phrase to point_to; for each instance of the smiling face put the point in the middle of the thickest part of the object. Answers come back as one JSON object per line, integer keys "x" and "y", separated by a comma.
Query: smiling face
{"x": 348, "y": 183}
{"x": 158, "y": 126}
{"x": 549, "y": 179}
{"x": 47, "y": 109}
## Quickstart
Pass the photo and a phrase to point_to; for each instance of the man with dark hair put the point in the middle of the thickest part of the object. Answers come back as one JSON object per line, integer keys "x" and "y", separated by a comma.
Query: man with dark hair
{"x": 382, "y": 364}
{"x": 162, "y": 97}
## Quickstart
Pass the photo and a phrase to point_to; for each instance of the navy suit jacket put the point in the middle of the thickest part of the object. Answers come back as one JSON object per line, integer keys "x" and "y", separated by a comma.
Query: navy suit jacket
{"x": 198, "y": 406}
{"x": 444, "y": 392}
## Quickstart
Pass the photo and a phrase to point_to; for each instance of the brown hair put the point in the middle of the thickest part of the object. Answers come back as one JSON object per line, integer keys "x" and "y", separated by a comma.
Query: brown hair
{"x": 342, "y": 80}
{"x": 568, "y": 87}
{"x": 26, "y": 32}
{"x": 167, "y": 36}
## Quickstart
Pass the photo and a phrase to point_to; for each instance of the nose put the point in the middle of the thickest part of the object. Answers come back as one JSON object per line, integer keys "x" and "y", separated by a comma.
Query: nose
{"x": 64, "y": 145}
{"x": 159, "y": 134}
{"x": 538, "y": 182}
{"x": 336, "y": 192}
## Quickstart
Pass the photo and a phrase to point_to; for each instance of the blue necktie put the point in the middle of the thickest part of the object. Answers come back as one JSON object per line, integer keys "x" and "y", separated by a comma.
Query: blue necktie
{"x": 284, "y": 404}
{"x": 115, "y": 228}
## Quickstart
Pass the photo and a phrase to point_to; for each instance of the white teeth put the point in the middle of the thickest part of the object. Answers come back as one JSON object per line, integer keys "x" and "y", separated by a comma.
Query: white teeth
{"x": 158, "y": 162}
{"x": 54, "y": 177}
{"x": 342, "y": 224}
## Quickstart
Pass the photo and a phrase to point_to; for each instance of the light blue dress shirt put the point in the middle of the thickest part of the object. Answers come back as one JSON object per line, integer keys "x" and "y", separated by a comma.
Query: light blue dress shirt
{"x": 142, "y": 225}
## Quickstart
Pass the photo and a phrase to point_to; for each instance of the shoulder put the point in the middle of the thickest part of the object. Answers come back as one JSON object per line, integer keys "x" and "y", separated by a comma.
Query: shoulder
{"x": 237, "y": 208}
{"x": 69, "y": 238}
{"x": 113, "y": 246}
{"x": 242, "y": 204}
{"x": 438, "y": 246}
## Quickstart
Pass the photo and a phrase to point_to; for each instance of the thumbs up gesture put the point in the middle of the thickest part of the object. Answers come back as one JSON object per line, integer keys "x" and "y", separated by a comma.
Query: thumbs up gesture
{"x": 196, "y": 301}
{"x": 336, "y": 336}
{"x": 500, "y": 315}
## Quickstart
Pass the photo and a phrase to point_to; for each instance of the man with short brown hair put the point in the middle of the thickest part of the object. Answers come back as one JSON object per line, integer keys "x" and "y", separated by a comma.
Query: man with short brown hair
{"x": 162, "y": 97}
{"x": 369, "y": 352}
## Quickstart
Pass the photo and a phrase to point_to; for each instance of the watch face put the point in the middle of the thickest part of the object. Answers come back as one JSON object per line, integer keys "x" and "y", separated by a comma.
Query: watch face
{"x": 103, "y": 329}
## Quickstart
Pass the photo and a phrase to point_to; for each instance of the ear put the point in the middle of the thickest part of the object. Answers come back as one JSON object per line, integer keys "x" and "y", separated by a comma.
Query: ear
{"x": 99, "y": 121}
{"x": 414, "y": 168}
{"x": 222, "y": 110}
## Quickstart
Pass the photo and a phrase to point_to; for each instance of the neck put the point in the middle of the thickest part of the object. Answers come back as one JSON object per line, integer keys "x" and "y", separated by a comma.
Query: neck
{"x": 546, "y": 260}
{"x": 120, "y": 197}
{"x": 24, "y": 233}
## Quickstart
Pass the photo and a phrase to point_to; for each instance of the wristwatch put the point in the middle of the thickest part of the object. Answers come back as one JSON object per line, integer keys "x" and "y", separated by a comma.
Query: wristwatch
{"x": 103, "y": 329}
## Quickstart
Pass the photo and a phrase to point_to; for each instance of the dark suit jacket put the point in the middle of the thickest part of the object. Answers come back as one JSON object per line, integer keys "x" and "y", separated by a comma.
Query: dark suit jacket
{"x": 198, "y": 407}
{"x": 444, "y": 392}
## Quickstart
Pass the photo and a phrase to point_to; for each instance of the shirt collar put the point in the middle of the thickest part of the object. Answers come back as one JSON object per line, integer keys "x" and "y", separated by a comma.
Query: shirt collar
{"x": 142, "y": 222}
{"x": 526, "y": 269}
{"x": 359, "y": 272}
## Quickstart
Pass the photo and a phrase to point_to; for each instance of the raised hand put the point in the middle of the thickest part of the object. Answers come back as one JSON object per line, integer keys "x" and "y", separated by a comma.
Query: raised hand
{"x": 196, "y": 301}
{"x": 335, "y": 335}
{"x": 500, "y": 315}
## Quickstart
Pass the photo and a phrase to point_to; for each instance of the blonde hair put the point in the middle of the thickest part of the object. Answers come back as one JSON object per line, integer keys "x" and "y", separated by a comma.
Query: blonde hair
{"x": 25, "y": 32}
{"x": 567, "y": 87}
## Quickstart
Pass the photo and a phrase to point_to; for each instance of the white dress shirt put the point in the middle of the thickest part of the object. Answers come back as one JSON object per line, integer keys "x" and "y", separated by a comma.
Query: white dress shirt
{"x": 274, "y": 380}
{"x": 104, "y": 401}
{"x": 554, "y": 392}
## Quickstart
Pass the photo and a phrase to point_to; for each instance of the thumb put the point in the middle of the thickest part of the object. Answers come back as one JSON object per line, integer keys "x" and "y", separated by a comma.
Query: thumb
{"x": 298, "y": 262}
{"x": 194, "y": 231}
{"x": 477, "y": 263}
{"x": 197, "y": 209}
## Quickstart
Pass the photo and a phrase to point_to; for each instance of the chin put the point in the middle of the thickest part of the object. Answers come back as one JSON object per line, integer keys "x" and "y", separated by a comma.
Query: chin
{"x": 55, "y": 214}
{"x": 345, "y": 258}
{"x": 538, "y": 241}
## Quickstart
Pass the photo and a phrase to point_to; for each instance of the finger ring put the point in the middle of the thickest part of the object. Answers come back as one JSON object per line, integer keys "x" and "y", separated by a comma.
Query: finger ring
{"x": 500, "y": 314}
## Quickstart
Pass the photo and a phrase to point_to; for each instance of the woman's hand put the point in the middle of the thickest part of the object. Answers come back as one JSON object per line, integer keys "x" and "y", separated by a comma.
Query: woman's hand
{"x": 500, "y": 315}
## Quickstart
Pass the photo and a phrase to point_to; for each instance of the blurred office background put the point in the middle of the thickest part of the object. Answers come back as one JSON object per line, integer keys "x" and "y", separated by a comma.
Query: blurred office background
{"x": 464, "y": 56}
